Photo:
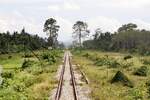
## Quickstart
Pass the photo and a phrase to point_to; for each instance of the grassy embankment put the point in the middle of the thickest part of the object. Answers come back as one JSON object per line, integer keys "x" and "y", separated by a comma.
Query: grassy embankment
{"x": 100, "y": 68}
{"x": 28, "y": 81}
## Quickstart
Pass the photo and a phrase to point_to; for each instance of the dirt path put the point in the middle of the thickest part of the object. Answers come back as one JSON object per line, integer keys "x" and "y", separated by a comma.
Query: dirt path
{"x": 67, "y": 89}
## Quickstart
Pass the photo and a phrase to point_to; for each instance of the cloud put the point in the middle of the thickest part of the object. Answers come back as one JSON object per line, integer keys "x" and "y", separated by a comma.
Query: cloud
{"x": 71, "y": 6}
{"x": 15, "y": 21}
{"x": 105, "y": 23}
{"x": 54, "y": 7}
{"x": 65, "y": 31}
{"x": 124, "y": 3}
{"x": 20, "y": 1}
{"x": 65, "y": 6}
{"x": 141, "y": 24}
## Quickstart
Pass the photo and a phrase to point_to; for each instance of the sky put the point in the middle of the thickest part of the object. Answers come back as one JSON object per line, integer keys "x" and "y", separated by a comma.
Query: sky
{"x": 108, "y": 15}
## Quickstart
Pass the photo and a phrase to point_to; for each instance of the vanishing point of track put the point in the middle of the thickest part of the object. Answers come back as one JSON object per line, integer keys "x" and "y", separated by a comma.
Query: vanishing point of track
{"x": 61, "y": 79}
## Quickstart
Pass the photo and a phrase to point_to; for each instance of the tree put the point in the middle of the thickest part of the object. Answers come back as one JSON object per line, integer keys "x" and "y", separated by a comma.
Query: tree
{"x": 127, "y": 27}
{"x": 19, "y": 41}
{"x": 51, "y": 29}
{"x": 80, "y": 30}
{"x": 98, "y": 32}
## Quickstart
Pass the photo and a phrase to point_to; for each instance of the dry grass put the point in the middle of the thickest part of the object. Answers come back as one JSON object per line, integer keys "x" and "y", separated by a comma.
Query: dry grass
{"x": 100, "y": 77}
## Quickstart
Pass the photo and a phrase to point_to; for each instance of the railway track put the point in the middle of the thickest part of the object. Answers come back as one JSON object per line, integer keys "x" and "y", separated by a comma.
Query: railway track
{"x": 67, "y": 64}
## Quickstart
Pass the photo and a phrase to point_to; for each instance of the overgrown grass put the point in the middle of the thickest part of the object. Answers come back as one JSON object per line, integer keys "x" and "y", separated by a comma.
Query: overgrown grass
{"x": 100, "y": 76}
{"x": 27, "y": 80}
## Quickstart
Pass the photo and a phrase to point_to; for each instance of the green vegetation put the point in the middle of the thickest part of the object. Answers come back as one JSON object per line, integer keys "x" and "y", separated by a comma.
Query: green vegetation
{"x": 120, "y": 77}
{"x": 103, "y": 67}
{"x": 51, "y": 29}
{"x": 128, "y": 39}
{"x": 142, "y": 71}
{"x": 18, "y": 42}
{"x": 25, "y": 78}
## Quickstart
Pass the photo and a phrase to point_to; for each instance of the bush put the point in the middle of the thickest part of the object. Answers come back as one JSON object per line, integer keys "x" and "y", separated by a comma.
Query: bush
{"x": 108, "y": 62}
{"x": 142, "y": 71}
{"x": 9, "y": 57}
{"x": 45, "y": 56}
{"x": 36, "y": 70}
{"x": 135, "y": 94}
{"x": 19, "y": 87}
{"x": 10, "y": 94}
{"x": 28, "y": 81}
{"x": 5, "y": 83}
{"x": 148, "y": 88}
{"x": 101, "y": 61}
{"x": 113, "y": 64}
{"x": 126, "y": 64}
{"x": 28, "y": 55}
{"x": 26, "y": 63}
{"x": 50, "y": 57}
{"x": 127, "y": 57}
{"x": 86, "y": 55}
{"x": 120, "y": 77}
{"x": 7, "y": 74}
{"x": 146, "y": 61}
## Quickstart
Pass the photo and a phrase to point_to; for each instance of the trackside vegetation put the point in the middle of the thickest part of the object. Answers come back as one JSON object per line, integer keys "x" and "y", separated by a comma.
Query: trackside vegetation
{"x": 26, "y": 78}
{"x": 115, "y": 76}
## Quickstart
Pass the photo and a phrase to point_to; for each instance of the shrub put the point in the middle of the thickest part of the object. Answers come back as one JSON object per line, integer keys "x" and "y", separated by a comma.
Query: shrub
{"x": 19, "y": 87}
{"x": 50, "y": 57}
{"x": 148, "y": 88}
{"x": 9, "y": 57}
{"x": 101, "y": 61}
{"x": 31, "y": 80}
{"x": 26, "y": 63}
{"x": 113, "y": 64}
{"x": 45, "y": 56}
{"x": 135, "y": 94}
{"x": 146, "y": 61}
{"x": 108, "y": 62}
{"x": 126, "y": 64}
{"x": 7, "y": 74}
{"x": 36, "y": 70}
{"x": 120, "y": 77}
{"x": 86, "y": 55}
{"x": 127, "y": 57}
{"x": 142, "y": 71}
{"x": 5, "y": 83}
{"x": 28, "y": 55}
{"x": 10, "y": 94}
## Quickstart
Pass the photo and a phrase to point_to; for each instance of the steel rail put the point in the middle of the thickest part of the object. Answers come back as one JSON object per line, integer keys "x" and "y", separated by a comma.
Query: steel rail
{"x": 59, "y": 89}
{"x": 73, "y": 80}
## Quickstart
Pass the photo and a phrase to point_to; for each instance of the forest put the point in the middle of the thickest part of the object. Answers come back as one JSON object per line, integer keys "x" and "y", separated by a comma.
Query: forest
{"x": 128, "y": 38}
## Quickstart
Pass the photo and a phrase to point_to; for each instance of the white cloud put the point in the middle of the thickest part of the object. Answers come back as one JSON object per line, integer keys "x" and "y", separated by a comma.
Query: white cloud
{"x": 54, "y": 7}
{"x": 141, "y": 24}
{"x": 20, "y": 1}
{"x": 16, "y": 21}
{"x": 125, "y": 3}
{"x": 71, "y": 6}
{"x": 65, "y": 31}
{"x": 66, "y": 6}
{"x": 106, "y": 24}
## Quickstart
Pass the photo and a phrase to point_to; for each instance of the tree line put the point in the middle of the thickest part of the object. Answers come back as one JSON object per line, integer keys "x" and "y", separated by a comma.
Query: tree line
{"x": 20, "y": 41}
{"x": 23, "y": 41}
{"x": 127, "y": 38}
